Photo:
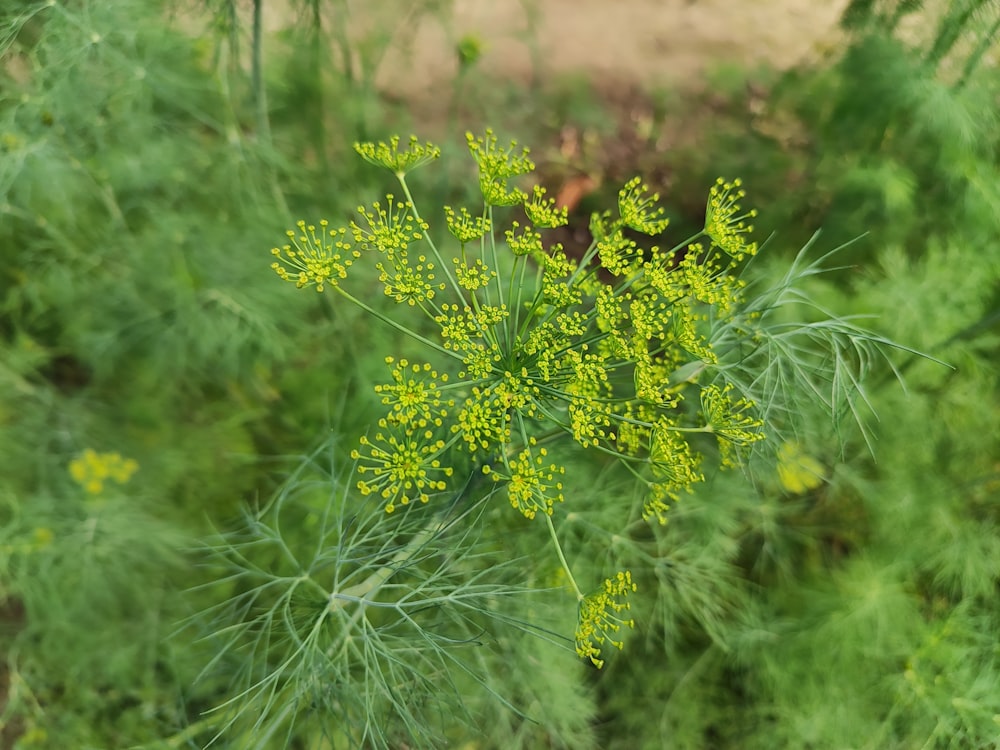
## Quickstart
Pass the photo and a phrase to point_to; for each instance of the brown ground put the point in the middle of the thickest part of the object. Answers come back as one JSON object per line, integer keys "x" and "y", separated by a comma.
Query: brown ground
{"x": 621, "y": 48}
{"x": 663, "y": 41}
{"x": 672, "y": 41}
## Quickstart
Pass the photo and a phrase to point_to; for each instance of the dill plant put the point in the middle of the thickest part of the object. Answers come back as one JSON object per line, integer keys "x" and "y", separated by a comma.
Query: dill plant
{"x": 566, "y": 354}
{"x": 526, "y": 362}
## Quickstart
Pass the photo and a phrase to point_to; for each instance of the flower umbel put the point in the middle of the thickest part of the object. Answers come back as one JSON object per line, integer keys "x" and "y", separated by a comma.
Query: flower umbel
{"x": 602, "y": 616}
{"x": 404, "y": 465}
{"x": 314, "y": 257}
{"x": 414, "y": 396}
{"x": 388, "y": 155}
{"x": 527, "y": 344}
{"x": 91, "y": 470}
{"x": 724, "y": 224}
{"x": 638, "y": 208}
{"x": 390, "y": 229}
{"x": 542, "y": 211}
{"x": 496, "y": 163}
{"x": 464, "y": 227}
{"x": 532, "y": 485}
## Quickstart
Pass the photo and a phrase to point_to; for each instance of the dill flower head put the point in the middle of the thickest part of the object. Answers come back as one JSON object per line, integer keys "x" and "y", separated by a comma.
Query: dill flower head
{"x": 465, "y": 227}
{"x": 602, "y": 615}
{"x": 414, "y": 397}
{"x": 498, "y": 193}
{"x": 404, "y": 465}
{"x": 388, "y": 155}
{"x": 483, "y": 420}
{"x": 527, "y": 242}
{"x": 532, "y": 483}
{"x": 314, "y": 257}
{"x": 473, "y": 276}
{"x": 410, "y": 281}
{"x": 542, "y": 211}
{"x": 91, "y": 470}
{"x": 725, "y": 222}
{"x": 731, "y": 420}
{"x": 388, "y": 229}
{"x": 638, "y": 209}
{"x": 495, "y": 162}
{"x": 496, "y": 166}
{"x": 618, "y": 255}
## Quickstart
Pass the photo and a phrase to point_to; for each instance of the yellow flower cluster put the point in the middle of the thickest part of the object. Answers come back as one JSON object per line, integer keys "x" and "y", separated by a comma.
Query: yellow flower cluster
{"x": 92, "y": 470}
{"x": 414, "y": 395}
{"x": 533, "y": 343}
{"x": 532, "y": 485}
{"x": 725, "y": 225}
{"x": 404, "y": 465}
{"x": 388, "y": 155}
{"x": 601, "y": 617}
{"x": 589, "y": 348}
{"x": 543, "y": 212}
{"x": 314, "y": 257}
{"x": 731, "y": 420}
{"x": 638, "y": 208}
{"x": 464, "y": 227}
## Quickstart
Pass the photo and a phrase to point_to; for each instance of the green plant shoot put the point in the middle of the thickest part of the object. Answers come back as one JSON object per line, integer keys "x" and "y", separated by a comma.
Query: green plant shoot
{"x": 529, "y": 346}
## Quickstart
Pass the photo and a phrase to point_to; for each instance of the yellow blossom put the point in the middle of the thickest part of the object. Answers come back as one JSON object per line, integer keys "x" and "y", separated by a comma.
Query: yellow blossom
{"x": 725, "y": 224}
{"x": 92, "y": 470}
{"x": 314, "y": 256}
{"x": 602, "y": 615}
{"x": 388, "y": 155}
{"x": 798, "y": 472}
{"x": 638, "y": 209}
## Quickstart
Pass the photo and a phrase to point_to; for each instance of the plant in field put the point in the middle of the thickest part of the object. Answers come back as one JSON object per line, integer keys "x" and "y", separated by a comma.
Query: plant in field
{"x": 540, "y": 346}
{"x": 364, "y": 594}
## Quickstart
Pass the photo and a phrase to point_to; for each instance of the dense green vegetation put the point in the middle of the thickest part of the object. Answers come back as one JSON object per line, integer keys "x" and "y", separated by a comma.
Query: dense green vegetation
{"x": 176, "y": 423}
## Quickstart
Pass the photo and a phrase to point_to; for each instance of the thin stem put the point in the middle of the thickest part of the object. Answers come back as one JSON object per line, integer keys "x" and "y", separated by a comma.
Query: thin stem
{"x": 562, "y": 557}
{"x": 260, "y": 96}
{"x": 376, "y": 580}
{"x": 398, "y": 326}
{"x": 974, "y": 59}
{"x": 257, "y": 68}
{"x": 186, "y": 736}
{"x": 437, "y": 254}
{"x": 950, "y": 30}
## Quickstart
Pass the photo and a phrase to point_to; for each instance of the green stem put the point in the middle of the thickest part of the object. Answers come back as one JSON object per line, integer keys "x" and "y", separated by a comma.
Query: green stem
{"x": 562, "y": 557}
{"x": 398, "y": 326}
{"x": 974, "y": 59}
{"x": 376, "y": 580}
{"x": 950, "y": 30}
{"x": 437, "y": 254}
{"x": 260, "y": 97}
{"x": 186, "y": 736}
{"x": 257, "y": 71}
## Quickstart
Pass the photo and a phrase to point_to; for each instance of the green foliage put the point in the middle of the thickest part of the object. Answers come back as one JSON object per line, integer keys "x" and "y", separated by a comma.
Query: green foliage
{"x": 859, "y": 605}
{"x": 371, "y": 629}
{"x": 840, "y": 591}
{"x": 130, "y": 322}
{"x": 528, "y": 376}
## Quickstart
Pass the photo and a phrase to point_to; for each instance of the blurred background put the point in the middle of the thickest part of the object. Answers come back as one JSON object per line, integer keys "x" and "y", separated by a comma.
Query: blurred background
{"x": 156, "y": 377}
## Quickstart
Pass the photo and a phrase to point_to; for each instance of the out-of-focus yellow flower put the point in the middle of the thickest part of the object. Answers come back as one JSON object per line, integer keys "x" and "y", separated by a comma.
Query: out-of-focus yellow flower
{"x": 797, "y": 471}
{"x": 91, "y": 470}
